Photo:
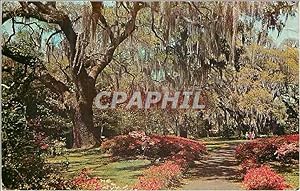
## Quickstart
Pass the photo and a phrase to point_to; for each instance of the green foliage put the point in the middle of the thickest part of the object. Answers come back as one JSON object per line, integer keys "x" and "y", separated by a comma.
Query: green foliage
{"x": 21, "y": 157}
{"x": 23, "y": 164}
{"x": 23, "y": 147}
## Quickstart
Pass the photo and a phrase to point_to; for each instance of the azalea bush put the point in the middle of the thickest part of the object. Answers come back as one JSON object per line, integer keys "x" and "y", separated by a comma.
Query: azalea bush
{"x": 162, "y": 176}
{"x": 267, "y": 149}
{"x": 166, "y": 146}
{"x": 253, "y": 154}
{"x": 248, "y": 164}
{"x": 264, "y": 178}
{"x": 176, "y": 152}
{"x": 287, "y": 152}
{"x": 154, "y": 146}
{"x": 85, "y": 182}
{"x": 123, "y": 146}
{"x": 23, "y": 154}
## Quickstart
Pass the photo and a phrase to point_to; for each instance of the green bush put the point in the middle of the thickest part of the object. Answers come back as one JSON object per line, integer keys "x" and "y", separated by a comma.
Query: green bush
{"x": 23, "y": 164}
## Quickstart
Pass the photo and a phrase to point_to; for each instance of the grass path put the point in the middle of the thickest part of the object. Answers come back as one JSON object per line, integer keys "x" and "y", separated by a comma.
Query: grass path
{"x": 217, "y": 171}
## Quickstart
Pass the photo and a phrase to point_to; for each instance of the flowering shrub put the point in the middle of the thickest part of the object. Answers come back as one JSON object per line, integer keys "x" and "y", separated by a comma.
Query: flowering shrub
{"x": 154, "y": 146}
{"x": 264, "y": 149}
{"x": 260, "y": 150}
{"x": 123, "y": 145}
{"x": 263, "y": 178}
{"x": 292, "y": 138}
{"x": 138, "y": 134}
{"x": 84, "y": 182}
{"x": 287, "y": 152}
{"x": 183, "y": 158}
{"x": 56, "y": 181}
{"x": 108, "y": 185}
{"x": 166, "y": 146}
{"x": 177, "y": 151}
{"x": 249, "y": 164}
{"x": 161, "y": 176}
{"x": 149, "y": 183}
{"x": 23, "y": 150}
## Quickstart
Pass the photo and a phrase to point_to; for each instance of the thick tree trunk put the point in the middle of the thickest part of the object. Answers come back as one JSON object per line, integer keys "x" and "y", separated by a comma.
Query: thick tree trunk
{"x": 84, "y": 132}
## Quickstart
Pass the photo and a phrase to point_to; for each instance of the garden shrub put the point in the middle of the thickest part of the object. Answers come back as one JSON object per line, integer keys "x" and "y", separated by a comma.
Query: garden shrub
{"x": 54, "y": 180}
{"x": 149, "y": 183}
{"x": 85, "y": 182}
{"x": 177, "y": 152}
{"x": 263, "y": 150}
{"x": 287, "y": 152}
{"x": 292, "y": 138}
{"x": 153, "y": 146}
{"x": 23, "y": 151}
{"x": 245, "y": 151}
{"x": 165, "y": 146}
{"x": 263, "y": 178}
{"x": 24, "y": 147}
{"x": 160, "y": 177}
{"x": 123, "y": 146}
{"x": 248, "y": 164}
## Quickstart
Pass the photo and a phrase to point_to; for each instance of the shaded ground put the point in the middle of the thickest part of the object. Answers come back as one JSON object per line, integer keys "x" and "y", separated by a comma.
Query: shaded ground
{"x": 217, "y": 171}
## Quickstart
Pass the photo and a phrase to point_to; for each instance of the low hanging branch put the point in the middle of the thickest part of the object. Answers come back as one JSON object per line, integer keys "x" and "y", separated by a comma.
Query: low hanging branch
{"x": 44, "y": 76}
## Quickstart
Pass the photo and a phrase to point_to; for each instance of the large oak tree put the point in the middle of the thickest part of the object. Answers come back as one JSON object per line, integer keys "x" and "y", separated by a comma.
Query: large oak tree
{"x": 84, "y": 69}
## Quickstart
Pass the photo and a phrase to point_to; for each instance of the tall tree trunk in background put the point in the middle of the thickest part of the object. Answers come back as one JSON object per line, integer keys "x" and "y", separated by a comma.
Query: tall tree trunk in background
{"x": 184, "y": 127}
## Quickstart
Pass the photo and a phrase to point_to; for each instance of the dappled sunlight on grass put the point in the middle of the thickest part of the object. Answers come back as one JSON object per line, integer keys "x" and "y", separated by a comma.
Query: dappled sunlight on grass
{"x": 292, "y": 177}
{"x": 290, "y": 173}
{"x": 211, "y": 142}
{"x": 218, "y": 143}
{"x": 122, "y": 173}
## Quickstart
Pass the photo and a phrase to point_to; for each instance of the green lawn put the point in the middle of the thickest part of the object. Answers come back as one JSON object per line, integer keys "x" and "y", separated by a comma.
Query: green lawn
{"x": 292, "y": 178}
{"x": 290, "y": 173}
{"x": 214, "y": 143}
{"x": 122, "y": 173}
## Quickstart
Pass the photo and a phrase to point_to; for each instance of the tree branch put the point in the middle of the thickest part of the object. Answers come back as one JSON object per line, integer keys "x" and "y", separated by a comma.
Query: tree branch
{"x": 97, "y": 15}
{"x": 46, "y": 13}
{"x": 45, "y": 77}
{"x": 153, "y": 28}
{"x": 128, "y": 30}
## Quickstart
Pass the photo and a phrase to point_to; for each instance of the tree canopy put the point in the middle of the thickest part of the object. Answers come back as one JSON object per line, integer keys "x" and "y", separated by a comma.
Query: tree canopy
{"x": 75, "y": 50}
